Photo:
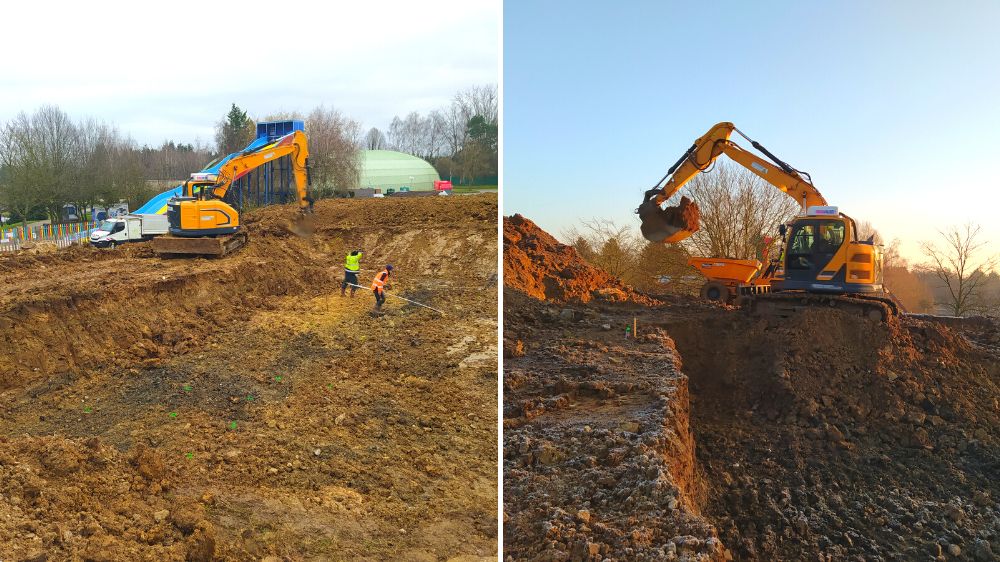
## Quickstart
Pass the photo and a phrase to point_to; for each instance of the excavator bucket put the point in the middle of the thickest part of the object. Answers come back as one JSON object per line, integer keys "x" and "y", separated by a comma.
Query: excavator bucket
{"x": 302, "y": 225}
{"x": 671, "y": 224}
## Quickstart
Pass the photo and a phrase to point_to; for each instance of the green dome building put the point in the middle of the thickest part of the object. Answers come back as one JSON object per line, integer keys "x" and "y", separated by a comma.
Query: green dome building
{"x": 389, "y": 170}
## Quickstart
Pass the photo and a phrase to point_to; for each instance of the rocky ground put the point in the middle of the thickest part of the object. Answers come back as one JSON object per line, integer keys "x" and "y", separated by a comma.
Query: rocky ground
{"x": 819, "y": 437}
{"x": 241, "y": 409}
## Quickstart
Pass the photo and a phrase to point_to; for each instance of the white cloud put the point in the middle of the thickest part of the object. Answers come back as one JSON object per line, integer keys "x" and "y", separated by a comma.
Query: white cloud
{"x": 171, "y": 69}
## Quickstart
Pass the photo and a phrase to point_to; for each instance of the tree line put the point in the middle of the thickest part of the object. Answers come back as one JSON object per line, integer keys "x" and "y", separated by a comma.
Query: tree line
{"x": 739, "y": 212}
{"x": 49, "y": 160}
{"x": 459, "y": 140}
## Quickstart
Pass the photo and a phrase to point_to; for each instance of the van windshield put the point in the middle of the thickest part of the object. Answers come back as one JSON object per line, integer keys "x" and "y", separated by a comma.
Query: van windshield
{"x": 107, "y": 226}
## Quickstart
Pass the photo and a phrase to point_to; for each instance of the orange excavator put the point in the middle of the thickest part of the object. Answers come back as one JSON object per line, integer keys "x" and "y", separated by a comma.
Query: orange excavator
{"x": 821, "y": 261}
{"x": 201, "y": 223}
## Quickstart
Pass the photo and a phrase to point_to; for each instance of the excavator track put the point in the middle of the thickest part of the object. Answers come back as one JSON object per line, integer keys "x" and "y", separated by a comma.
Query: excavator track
{"x": 786, "y": 304}
{"x": 218, "y": 246}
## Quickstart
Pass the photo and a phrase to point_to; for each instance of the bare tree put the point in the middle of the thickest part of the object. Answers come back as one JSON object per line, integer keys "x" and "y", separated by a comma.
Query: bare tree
{"x": 622, "y": 252}
{"x": 334, "y": 149}
{"x": 738, "y": 210}
{"x": 961, "y": 268}
{"x": 612, "y": 247}
{"x": 479, "y": 100}
{"x": 375, "y": 139}
{"x": 42, "y": 155}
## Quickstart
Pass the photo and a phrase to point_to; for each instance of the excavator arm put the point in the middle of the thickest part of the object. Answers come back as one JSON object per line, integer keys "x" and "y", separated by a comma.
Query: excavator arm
{"x": 674, "y": 224}
{"x": 294, "y": 144}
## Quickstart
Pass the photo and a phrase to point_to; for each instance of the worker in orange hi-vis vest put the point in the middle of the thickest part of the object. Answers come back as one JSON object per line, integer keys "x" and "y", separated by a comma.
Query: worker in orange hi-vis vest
{"x": 379, "y": 285}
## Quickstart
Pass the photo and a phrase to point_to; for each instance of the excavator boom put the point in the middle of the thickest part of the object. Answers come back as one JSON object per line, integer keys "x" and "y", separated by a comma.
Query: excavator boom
{"x": 293, "y": 143}
{"x": 674, "y": 224}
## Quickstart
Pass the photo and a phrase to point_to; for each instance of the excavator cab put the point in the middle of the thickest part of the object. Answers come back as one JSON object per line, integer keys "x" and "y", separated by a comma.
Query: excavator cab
{"x": 195, "y": 214}
{"x": 823, "y": 254}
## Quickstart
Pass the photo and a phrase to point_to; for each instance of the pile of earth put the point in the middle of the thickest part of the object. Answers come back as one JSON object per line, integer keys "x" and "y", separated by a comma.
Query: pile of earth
{"x": 540, "y": 266}
{"x": 124, "y": 506}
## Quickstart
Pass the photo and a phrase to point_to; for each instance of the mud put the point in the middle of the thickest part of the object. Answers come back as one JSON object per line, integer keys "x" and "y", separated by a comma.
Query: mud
{"x": 829, "y": 437}
{"x": 685, "y": 215}
{"x": 240, "y": 408}
{"x": 818, "y": 437}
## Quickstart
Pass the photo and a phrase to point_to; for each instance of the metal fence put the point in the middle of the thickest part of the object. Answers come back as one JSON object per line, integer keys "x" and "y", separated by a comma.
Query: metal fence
{"x": 63, "y": 235}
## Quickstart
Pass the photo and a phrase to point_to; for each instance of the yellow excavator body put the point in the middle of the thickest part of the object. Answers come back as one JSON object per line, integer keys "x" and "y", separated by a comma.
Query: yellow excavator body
{"x": 821, "y": 251}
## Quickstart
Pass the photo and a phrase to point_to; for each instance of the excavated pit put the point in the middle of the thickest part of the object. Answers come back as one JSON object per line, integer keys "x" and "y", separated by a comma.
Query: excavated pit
{"x": 717, "y": 434}
{"x": 241, "y": 409}
{"x": 829, "y": 437}
{"x": 598, "y": 455}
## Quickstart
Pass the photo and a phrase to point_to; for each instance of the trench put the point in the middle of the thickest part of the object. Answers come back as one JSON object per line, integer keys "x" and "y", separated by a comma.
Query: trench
{"x": 801, "y": 455}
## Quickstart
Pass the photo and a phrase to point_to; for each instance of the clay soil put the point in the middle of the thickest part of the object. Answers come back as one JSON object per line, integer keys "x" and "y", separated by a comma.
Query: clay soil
{"x": 818, "y": 437}
{"x": 241, "y": 409}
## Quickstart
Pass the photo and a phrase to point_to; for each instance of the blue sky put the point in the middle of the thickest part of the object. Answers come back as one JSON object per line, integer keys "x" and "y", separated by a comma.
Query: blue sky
{"x": 893, "y": 107}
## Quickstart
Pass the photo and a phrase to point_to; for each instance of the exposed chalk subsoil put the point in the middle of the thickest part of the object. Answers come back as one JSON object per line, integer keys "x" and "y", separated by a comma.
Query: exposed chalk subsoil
{"x": 240, "y": 408}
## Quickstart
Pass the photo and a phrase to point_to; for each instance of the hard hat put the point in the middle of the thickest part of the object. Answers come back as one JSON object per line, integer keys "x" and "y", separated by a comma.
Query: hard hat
{"x": 388, "y": 267}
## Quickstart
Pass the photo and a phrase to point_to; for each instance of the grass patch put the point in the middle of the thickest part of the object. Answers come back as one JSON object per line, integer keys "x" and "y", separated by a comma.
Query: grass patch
{"x": 473, "y": 188}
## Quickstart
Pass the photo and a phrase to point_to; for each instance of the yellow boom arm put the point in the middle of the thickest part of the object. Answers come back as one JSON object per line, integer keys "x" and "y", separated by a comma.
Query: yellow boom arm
{"x": 667, "y": 225}
{"x": 294, "y": 144}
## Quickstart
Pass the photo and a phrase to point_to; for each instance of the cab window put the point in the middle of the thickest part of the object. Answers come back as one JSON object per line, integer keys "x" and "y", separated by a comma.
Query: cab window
{"x": 802, "y": 240}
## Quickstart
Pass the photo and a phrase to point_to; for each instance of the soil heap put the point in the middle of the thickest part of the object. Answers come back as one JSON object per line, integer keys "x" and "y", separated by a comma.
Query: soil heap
{"x": 540, "y": 266}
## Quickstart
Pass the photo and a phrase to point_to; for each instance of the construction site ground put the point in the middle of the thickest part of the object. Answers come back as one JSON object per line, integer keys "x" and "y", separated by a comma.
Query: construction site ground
{"x": 716, "y": 434}
{"x": 241, "y": 409}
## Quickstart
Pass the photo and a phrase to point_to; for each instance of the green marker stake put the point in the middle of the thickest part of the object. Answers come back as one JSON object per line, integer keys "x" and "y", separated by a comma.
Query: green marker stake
{"x": 249, "y": 397}
{"x": 277, "y": 378}
{"x": 232, "y": 425}
{"x": 87, "y": 410}
{"x": 189, "y": 455}
{"x": 173, "y": 414}
{"x": 187, "y": 388}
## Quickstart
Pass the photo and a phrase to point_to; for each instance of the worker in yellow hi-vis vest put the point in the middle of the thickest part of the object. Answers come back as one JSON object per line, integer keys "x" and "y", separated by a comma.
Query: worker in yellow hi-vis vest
{"x": 352, "y": 266}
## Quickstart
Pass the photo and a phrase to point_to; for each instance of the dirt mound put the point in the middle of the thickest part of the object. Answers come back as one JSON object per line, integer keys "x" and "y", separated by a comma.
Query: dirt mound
{"x": 540, "y": 266}
{"x": 255, "y": 396}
